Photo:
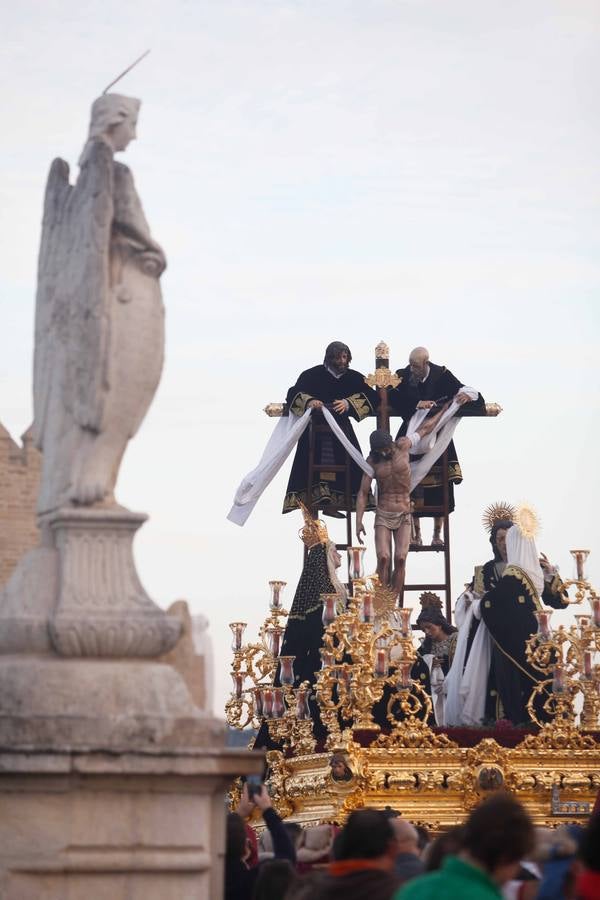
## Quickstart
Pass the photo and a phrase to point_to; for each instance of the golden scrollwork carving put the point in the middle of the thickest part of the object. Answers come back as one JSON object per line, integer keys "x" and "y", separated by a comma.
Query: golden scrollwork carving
{"x": 368, "y": 654}
{"x": 382, "y": 378}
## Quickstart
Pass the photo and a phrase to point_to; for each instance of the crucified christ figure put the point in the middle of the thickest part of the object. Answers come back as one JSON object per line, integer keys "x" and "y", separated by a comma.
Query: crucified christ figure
{"x": 391, "y": 467}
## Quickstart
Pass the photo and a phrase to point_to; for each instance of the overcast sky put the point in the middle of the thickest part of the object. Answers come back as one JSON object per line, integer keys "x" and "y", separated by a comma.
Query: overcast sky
{"x": 415, "y": 171}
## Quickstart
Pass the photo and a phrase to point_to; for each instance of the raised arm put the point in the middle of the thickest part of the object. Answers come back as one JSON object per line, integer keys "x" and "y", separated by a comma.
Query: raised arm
{"x": 431, "y": 422}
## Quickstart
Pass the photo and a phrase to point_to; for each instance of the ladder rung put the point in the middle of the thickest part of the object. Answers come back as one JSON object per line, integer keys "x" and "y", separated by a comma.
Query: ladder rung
{"x": 426, "y": 548}
{"x": 424, "y": 587}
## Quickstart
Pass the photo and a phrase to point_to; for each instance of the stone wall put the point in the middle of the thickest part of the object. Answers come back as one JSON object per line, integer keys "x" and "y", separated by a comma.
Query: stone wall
{"x": 19, "y": 480}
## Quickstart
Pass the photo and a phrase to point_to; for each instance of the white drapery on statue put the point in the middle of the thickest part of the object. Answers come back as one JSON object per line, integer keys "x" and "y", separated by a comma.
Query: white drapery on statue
{"x": 286, "y": 435}
{"x": 466, "y": 686}
{"x": 288, "y": 432}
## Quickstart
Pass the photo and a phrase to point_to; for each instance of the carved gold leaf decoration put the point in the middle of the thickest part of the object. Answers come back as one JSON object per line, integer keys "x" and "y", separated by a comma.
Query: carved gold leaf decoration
{"x": 383, "y": 378}
{"x": 527, "y": 521}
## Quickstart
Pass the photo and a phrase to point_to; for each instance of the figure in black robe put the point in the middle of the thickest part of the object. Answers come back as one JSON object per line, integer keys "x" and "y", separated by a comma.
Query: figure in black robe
{"x": 303, "y": 634}
{"x": 488, "y": 577}
{"x": 439, "y": 385}
{"x": 508, "y": 610}
{"x": 329, "y": 382}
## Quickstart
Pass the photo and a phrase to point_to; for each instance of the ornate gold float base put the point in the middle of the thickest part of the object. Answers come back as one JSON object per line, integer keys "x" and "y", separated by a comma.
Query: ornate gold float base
{"x": 438, "y": 785}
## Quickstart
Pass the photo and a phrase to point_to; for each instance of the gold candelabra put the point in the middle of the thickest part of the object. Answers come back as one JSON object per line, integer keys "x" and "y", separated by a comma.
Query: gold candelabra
{"x": 568, "y": 658}
{"x": 367, "y": 655}
{"x": 367, "y": 658}
{"x": 375, "y": 714}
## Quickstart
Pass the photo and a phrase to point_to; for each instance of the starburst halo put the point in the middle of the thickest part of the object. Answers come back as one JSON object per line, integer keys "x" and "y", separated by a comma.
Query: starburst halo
{"x": 496, "y": 512}
{"x": 527, "y": 521}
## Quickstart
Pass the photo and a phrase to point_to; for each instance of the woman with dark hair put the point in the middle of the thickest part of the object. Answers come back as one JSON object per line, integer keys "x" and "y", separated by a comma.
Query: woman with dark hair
{"x": 448, "y": 843}
{"x": 274, "y": 879}
{"x": 437, "y": 649}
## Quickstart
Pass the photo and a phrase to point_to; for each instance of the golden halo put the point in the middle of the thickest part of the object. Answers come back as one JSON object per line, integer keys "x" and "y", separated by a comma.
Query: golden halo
{"x": 495, "y": 512}
{"x": 527, "y": 521}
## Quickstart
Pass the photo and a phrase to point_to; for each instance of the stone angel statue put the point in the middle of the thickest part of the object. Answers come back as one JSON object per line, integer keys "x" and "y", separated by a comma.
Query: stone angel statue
{"x": 99, "y": 324}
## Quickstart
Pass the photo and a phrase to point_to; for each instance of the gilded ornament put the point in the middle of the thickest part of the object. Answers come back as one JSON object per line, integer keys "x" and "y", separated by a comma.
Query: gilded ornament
{"x": 383, "y": 378}
{"x": 527, "y": 521}
{"x": 496, "y": 512}
{"x": 274, "y": 410}
{"x": 555, "y": 772}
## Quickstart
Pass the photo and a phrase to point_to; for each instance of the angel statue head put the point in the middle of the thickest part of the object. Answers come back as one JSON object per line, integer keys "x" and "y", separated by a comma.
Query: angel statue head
{"x": 114, "y": 119}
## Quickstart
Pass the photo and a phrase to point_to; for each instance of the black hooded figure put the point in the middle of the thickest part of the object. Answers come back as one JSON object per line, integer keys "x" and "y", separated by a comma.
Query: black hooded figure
{"x": 329, "y": 383}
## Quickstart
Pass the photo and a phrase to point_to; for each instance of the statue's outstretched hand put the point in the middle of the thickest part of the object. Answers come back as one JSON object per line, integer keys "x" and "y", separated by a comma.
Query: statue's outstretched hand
{"x": 360, "y": 529}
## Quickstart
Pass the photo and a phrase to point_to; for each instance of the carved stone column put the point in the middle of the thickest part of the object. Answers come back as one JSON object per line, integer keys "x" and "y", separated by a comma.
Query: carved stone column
{"x": 103, "y": 609}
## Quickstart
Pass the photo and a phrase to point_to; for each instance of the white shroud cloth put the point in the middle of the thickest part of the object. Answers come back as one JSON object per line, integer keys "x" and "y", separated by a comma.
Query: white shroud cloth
{"x": 286, "y": 435}
{"x": 289, "y": 429}
{"x": 433, "y": 444}
{"x": 466, "y": 690}
{"x": 521, "y": 551}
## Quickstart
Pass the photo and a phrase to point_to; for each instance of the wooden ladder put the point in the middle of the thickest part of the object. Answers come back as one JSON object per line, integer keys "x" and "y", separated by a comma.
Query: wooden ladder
{"x": 443, "y": 511}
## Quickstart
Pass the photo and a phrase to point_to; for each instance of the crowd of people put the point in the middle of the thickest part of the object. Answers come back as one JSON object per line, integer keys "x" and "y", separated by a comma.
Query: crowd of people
{"x": 379, "y": 855}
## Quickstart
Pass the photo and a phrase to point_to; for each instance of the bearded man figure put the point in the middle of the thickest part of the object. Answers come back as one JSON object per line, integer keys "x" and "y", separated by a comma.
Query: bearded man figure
{"x": 343, "y": 391}
{"x": 389, "y": 460}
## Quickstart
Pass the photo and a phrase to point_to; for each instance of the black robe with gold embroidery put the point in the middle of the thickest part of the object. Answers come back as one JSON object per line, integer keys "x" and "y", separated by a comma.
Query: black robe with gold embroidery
{"x": 508, "y": 610}
{"x": 328, "y": 488}
{"x": 486, "y": 578}
{"x": 440, "y": 384}
{"x": 304, "y": 630}
{"x": 304, "y": 634}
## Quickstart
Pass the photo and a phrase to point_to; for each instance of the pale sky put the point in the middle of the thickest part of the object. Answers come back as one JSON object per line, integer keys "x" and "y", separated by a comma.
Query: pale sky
{"x": 414, "y": 171}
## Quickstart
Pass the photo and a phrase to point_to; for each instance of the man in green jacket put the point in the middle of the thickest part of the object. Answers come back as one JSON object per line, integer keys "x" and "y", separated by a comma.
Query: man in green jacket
{"x": 498, "y": 835}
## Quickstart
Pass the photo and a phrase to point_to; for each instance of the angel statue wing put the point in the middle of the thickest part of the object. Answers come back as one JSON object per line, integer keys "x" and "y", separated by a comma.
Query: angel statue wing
{"x": 49, "y": 308}
{"x": 72, "y": 306}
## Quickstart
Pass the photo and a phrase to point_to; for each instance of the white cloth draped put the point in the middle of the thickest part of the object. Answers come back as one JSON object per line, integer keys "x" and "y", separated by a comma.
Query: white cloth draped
{"x": 522, "y": 552}
{"x": 466, "y": 686}
{"x": 436, "y": 678}
{"x": 286, "y": 435}
{"x": 288, "y": 432}
{"x": 433, "y": 444}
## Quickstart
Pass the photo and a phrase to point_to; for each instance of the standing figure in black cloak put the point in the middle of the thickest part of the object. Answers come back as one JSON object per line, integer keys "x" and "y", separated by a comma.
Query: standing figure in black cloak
{"x": 471, "y": 698}
{"x": 508, "y": 611}
{"x": 422, "y": 386}
{"x": 344, "y": 392}
{"x": 304, "y": 630}
{"x": 474, "y": 705}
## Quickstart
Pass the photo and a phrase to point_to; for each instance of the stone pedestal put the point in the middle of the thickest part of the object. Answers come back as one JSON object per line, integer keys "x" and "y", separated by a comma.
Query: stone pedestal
{"x": 103, "y": 610}
{"x": 112, "y": 779}
{"x": 93, "y": 826}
